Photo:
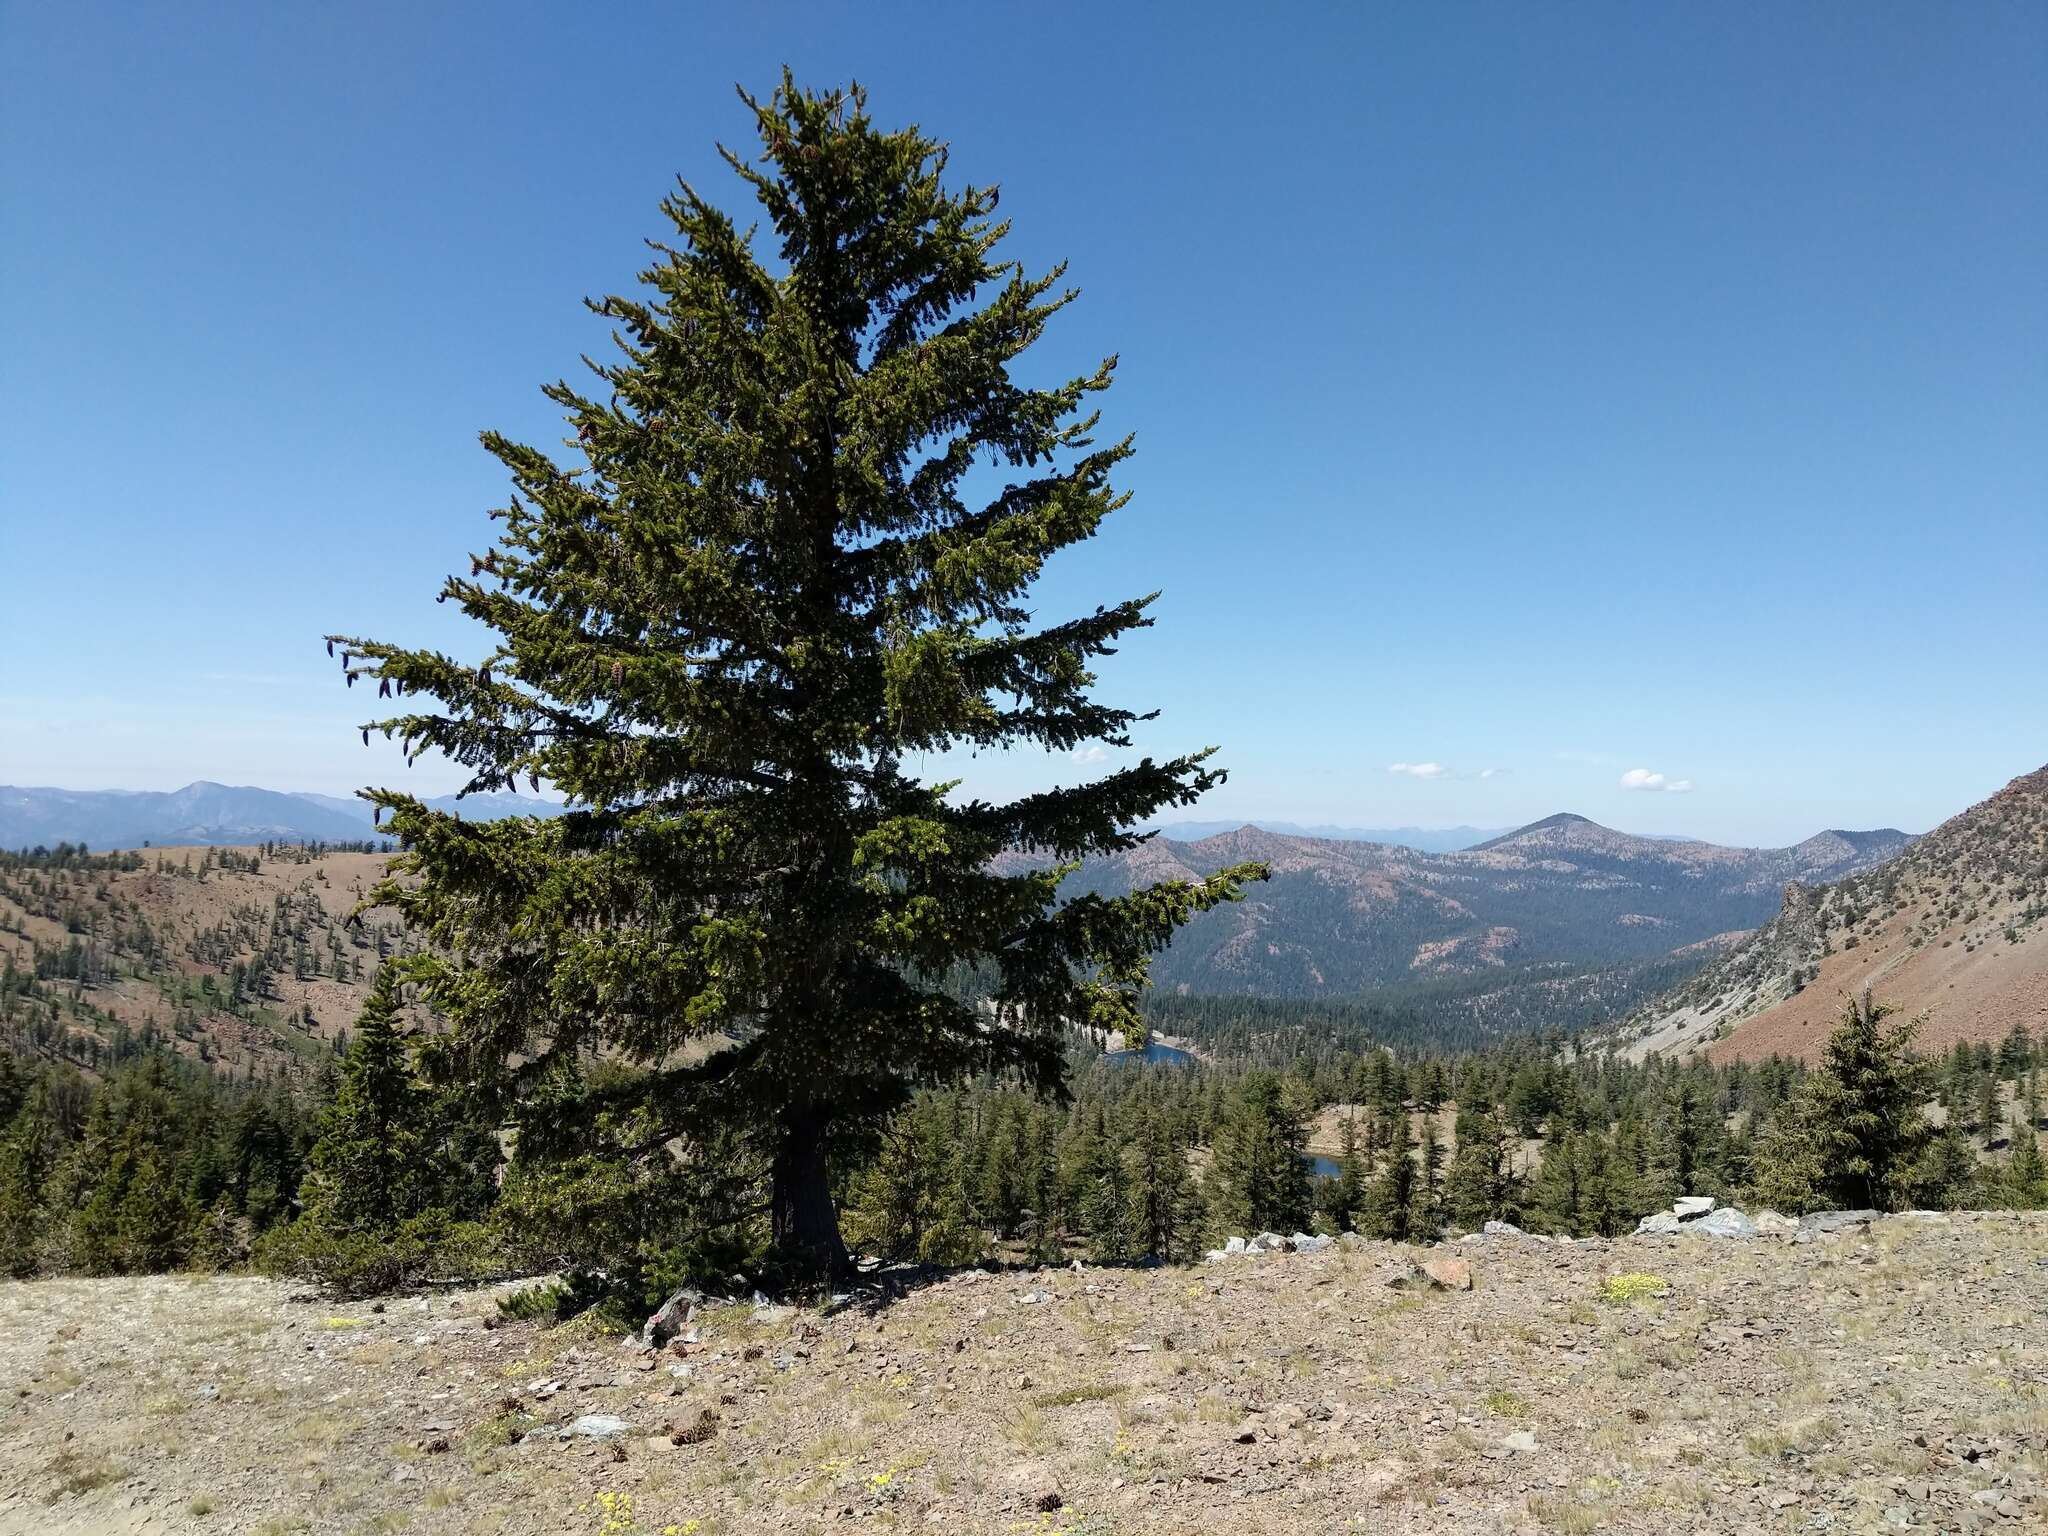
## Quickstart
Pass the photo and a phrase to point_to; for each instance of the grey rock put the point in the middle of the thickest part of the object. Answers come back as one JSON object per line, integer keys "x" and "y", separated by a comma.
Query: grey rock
{"x": 1663, "y": 1221}
{"x": 1313, "y": 1244}
{"x": 672, "y": 1317}
{"x": 1726, "y": 1222}
{"x": 1520, "y": 1440}
{"x": 595, "y": 1426}
{"x": 1690, "y": 1206}
{"x": 1772, "y": 1224}
{"x": 1235, "y": 1246}
{"x": 1502, "y": 1229}
{"x": 1835, "y": 1221}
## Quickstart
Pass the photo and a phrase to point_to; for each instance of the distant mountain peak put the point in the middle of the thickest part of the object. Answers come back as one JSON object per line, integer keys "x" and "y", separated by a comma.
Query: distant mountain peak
{"x": 1563, "y": 821}
{"x": 1421, "y": 839}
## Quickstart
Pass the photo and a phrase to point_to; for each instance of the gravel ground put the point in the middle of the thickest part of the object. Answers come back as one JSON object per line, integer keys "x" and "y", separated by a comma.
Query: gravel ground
{"x": 1892, "y": 1377}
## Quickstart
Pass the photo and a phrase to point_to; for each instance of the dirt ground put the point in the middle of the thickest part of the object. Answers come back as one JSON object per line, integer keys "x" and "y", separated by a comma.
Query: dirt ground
{"x": 1891, "y": 1377}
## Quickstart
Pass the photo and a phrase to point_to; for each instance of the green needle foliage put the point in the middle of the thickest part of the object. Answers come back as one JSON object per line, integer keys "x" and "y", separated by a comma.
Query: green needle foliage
{"x": 1856, "y": 1136}
{"x": 804, "y": 507}
{"x": 371, "y": 1164}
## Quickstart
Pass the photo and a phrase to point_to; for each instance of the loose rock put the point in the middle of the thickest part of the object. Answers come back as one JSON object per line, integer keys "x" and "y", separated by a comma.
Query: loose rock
{"x": 1726, "y": 1222}
{"x": 1448, "y": 1274}
{"x": 595, "y": 1426}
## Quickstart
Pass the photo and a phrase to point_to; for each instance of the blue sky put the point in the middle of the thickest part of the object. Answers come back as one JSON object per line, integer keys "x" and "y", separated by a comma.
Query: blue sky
{"x": 1527, "y": 394}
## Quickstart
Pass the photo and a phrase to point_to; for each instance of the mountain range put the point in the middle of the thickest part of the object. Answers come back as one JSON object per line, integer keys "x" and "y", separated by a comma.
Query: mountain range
{"x": 1340, "y": 917}
{"x": 205, "y": 813}
{"x": 1951, "y": 932}
{"x": 1424, "y": 839}
{"x": 1562, "y": 924}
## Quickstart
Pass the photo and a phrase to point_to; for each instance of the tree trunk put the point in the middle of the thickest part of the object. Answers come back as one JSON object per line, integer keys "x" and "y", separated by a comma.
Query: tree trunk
{"x": 803, "y": 1222}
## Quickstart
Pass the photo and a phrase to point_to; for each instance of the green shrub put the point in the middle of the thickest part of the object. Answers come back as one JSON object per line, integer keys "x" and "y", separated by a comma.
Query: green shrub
{"x": 428, "y": 1246}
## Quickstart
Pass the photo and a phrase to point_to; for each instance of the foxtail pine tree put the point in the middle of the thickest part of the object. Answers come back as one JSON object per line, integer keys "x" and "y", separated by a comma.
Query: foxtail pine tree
{"x": 768, "y": 577}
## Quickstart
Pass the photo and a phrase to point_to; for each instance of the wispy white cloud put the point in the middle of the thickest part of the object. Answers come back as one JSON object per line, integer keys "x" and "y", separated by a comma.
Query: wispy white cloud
{"x": 1089, "y": 756}
{"x": 1492, "y": 773}
{"x": 1420, "y": 770}
{"x": 1644, "y": 778}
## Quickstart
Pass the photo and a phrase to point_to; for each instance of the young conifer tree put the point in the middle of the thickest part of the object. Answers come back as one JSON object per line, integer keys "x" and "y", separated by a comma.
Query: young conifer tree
{"x": 766, "y": 583}
{"x": 1855, "y": 1135}
{"x": 371, "y": 1163}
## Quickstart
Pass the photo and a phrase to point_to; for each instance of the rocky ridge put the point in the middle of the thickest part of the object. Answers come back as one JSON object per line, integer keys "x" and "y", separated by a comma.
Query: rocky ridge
{"x": 1950, "y": 929}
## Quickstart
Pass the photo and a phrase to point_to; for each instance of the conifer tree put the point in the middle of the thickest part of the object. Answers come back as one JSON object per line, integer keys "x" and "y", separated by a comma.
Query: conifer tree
{"x": 1003, "y": 1197}
{"x": 1260, "y": 1172}
{"x": 1480, "y": 1185}
{"x": 1677, "y": 1144}
{"x": 1990, "y": 1111}
{"x": 1560, "y": 1195}
{"x": 725, "y": 629}
{"x": 1947, "y": 1176}
{"x": 911, "y": 1202}
{"x": 2026, "y": 1176}
{"x": 1428, "y": 1217}
{"x": 371, "y": 1164}
{"x": 1048, "y": 1214}
{"x": 1166, "y": 1209}
{"x": 1390, "y": 1202}
{"x": 1106, "y": 1205}
{"x": 2015, "y": 1051}
{"x": 156, "y": 1226}
{"x": 21, "y": 1206}
{"x": 1854, "y": 1136}
{"x": 1342, "y": 1199}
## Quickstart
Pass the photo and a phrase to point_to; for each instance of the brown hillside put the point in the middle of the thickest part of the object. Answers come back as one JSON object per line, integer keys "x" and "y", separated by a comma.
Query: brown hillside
{"x": 162, "y": 944}
{"x": 1951, "y": 930}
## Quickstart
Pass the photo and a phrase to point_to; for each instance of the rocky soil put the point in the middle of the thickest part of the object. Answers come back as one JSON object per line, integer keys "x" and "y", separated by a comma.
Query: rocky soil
{"x": 1891, "y": 1376}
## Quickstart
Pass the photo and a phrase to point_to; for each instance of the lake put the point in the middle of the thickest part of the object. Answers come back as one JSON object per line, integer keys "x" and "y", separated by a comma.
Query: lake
{"x": 1154, "y": 1055}
{"x": 1322, "y": 1167}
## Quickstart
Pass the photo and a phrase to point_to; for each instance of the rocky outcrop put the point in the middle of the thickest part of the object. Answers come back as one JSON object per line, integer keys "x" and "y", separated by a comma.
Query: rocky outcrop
{"x": 1702, "y": 1215}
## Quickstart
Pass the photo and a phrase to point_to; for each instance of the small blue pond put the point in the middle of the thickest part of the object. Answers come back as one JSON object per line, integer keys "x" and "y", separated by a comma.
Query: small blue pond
{"x": 1154, "y": 1055}
{"x": 1322, "y": 1167}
